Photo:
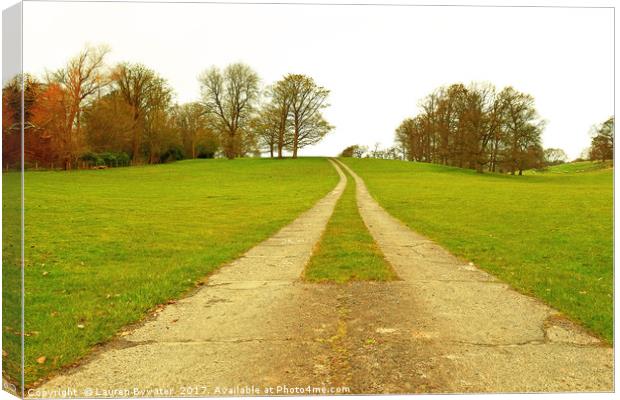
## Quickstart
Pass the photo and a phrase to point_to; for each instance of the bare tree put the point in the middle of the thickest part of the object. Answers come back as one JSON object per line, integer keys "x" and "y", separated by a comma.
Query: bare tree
{"x": 194, "y": 126}
{"x": 307, "y": 101}
{"x": 266, "y": 125}
{"x": 81, "y": 79}
{"x": 523, "y": 128}
{"x": 474, "y": 127}
{"x": 147, "y": 94}
{"x": 230, "y": 95}
{"x": 281, "y": 102}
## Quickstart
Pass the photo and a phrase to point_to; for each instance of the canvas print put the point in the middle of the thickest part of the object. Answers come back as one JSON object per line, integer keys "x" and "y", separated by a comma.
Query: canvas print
{"x": 228, "y": 199}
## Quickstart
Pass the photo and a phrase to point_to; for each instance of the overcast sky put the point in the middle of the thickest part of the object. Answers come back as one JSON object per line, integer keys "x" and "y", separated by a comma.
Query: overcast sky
{"x": 377, "y": 61}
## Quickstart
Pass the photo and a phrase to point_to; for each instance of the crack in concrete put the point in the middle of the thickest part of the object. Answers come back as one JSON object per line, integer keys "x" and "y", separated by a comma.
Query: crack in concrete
{"x": 480, "y": 310}
{"x": 172, "y": 350}
{"x": 362, "y": 326}
{"x": 496, "y": 282}
{"x": 207, "y": 341}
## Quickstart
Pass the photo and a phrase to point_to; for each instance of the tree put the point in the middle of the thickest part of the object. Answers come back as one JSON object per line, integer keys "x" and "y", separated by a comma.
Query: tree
{"x": 554, "y": 156}
{"x": 162, "y": 143}
{"x": 282, "y": 96}
{"x": 602, "y": 146}
{"x": 195, "y": 129}
{"x": 11, "y": 120}
{"x": 394, "y": 153}
{"x": 110, "y": 124}
{"x": 148, "y": 95}
{"x": 483, "y": 118}
{"x": 230, "y": 95}
{"x": 80, "y": 80}
{"x": 408, "y": 136}
{"x": 473, "y": 127}
{"x": 47, "y": 140}
{"x": 292, "y": 117}
{"x": 356, "y": 151}
{"x": 44, "y": 117}
{"x": 266, "y": 124}
{"x": 349, "y": 151}
{"x": 523, "y": 129}
{"x": 307, "y": 101}
{"x": 310, "y": 132}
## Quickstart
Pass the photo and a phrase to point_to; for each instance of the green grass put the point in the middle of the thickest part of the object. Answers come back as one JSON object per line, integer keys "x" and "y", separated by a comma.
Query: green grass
{"x": 104, "y": 247}
{"x": 346, "y": 250}
{"x": 573, "y": 167}
{"x": 549, "y": 235}
{"x": 11, "y": 278}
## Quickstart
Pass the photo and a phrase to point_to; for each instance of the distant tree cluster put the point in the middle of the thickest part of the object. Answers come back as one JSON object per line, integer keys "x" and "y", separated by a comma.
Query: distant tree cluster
{"x": 353, "y": 151}
{"x": 553, "y": 156}
{"x": 88, "y": 113}
{"x": 389, "y": 153}
{"x": 475, "y": 127}
{"x": 602, "y": 145}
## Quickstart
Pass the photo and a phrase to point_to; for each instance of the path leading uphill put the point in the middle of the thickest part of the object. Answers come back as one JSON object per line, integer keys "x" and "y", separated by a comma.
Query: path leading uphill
{"x": 256, "y": 326}
{"x": 238, "y": 329}
{"x": 487, "y": 337}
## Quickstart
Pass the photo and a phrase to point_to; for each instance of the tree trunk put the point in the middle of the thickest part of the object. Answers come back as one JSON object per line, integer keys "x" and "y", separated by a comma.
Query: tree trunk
{"x": 135, "y": 139}
{"x": 135, "y": 148}
{"x": 281, "y": 130}
{"x": 295, "y": 142}
{"x": 229, "y": 150}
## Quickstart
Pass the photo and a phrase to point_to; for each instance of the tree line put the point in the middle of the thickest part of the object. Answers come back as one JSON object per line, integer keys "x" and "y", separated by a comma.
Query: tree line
{"x": 476, "y": 127}
{"x": 600, "y": 149}
{"x": 88, "y": 113}
{"x": 481, "y": 128}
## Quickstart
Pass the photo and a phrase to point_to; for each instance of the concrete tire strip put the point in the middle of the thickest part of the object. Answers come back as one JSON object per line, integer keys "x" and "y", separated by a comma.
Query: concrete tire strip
{"x": 487, "y": 336}
{"x": 234, "y": 331}
{"x": 444, "y": 327}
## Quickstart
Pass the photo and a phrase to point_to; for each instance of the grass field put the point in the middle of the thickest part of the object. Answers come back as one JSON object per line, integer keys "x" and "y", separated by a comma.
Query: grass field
{"x": 104, "y": 247}
{"x": 574, "y": 167}
{"x": 11, "y": 276}
{"x": 346, "y": 250}
{"x": 547, "y": 234}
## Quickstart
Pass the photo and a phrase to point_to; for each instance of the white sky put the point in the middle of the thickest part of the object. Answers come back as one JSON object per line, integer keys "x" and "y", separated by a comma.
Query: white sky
{"x": 377, "y": 61}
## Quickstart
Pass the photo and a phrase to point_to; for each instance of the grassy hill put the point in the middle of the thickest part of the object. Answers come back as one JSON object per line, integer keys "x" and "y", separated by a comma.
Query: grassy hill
{"x": 547, "y": 234}
{"x": 573, "y": 167}
{"x": 105, "y": 247}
